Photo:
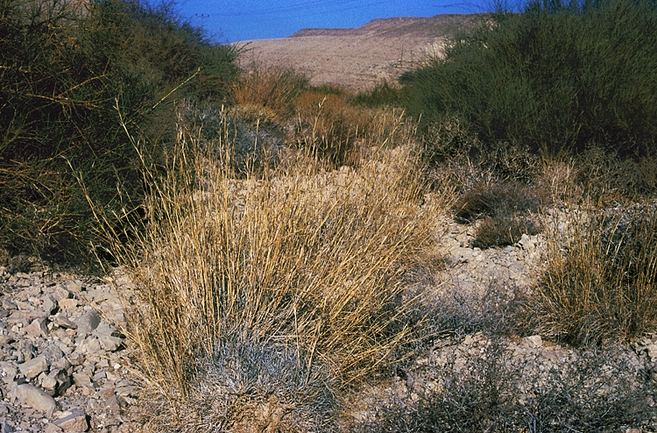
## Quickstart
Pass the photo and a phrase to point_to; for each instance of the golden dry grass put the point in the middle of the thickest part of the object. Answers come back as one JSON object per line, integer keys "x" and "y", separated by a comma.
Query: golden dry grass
{"x": 270, "y": 87}
{"x": 300, "y": 262}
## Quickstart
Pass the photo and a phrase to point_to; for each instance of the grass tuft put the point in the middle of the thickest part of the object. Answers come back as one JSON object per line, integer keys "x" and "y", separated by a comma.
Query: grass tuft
{"x": 302, "y": 262}
{"x": 599, "y": 282}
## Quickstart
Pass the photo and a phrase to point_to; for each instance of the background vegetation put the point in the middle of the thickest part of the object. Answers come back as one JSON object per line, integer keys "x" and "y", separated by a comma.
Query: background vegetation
{"x": 560, "y": 75}
{"x": 70, "y": 71}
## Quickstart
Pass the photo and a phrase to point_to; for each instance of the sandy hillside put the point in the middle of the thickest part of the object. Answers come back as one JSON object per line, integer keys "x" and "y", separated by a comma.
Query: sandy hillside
{"x": 361, "y": 57}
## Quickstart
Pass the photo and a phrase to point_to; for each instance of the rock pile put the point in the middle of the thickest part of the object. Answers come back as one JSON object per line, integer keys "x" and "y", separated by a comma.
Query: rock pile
{"x": 64, "y": 366}
{"x": 473, "y": 269}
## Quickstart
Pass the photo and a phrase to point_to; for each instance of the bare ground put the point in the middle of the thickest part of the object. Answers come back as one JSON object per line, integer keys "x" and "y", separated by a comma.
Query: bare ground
{"x": 358, "y": 58}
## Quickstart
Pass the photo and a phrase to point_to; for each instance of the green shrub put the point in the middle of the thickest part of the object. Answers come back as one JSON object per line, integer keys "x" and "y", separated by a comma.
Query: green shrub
{"x": 71, "y": 73}
{"x": 555, "y": 77}
{"x": 381, "y": 95}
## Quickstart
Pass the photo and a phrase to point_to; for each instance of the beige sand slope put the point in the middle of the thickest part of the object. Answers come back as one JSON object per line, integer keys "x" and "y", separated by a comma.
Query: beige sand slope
{"x": 357, "y": 58}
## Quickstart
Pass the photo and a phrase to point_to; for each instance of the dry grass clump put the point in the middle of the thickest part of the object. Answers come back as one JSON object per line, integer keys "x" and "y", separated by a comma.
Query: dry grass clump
{"x": 303, "y": 265}
{"x": 600, "y": 278}
{"x": 270, "y": 87}
{"x": 329, "y": 128}
{"x": 506, "y": 209}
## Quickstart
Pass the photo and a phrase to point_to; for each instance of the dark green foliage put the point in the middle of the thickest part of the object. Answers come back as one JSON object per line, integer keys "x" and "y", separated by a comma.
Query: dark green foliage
{"x": 380, "y": 96}
{"x": 558, "y": 76}
{"x": 70, "y": 72}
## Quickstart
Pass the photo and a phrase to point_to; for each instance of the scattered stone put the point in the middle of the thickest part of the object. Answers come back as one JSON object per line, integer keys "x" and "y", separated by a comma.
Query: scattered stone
{"x": 88, "y": 322}
{"x": 64, "y": 322}
{"x": 99, "y": 294}
{"x": 8, "y": 304}
{"x": 60, "y": 293}
{"x": 74, "y": 286}
{"x": 90, "y": 346}
{"x": 8, "y": 372}
{"x": 27, "y": 349}
{"x": 105, "y": 336}
{"x": 62, "y": 364}
{"x": 49, "y": 384}
{"x": 35, "y": 398}
{"x": 67, "y": 304}
{"x": 38, "y": 328}
{"x": 53, "y": 354}
{"x": 52, "y": 428}
{"x": 5, "y": 427}
{"x": 56, "y": 382}
{"x": 34, "y": 367}
{"x": 7, "y": 339}
{"x": 74, "y": 420}
{"x": 112, "y": 403}
{"x": 49, "y": 305}
{"x": 24, "y": 306}
{"x": 534, "y": 341}
{"x": 76, "y": 358}
{"x": 82, "y": 380}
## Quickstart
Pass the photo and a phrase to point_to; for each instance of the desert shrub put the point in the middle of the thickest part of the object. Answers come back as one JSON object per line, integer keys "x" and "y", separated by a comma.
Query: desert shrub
{"x": 381, "y": 95}
{"x": 596, "y": 391}
{"x": 497, "y": 311}
{"x": 71, "y": 71}
{"x": 504, "y": 229}
{"x": 331, "y": 89}
{"x": 450, "y": 148}
{"x": 489, "y": 199}
{"x": 599, "y": 282}
{"x": 328, "y": 128}
{"x": 559, "y": 75}
{"x": 606, "y": 176}
{"x": 251, "y": 135}
{"x": 247, "y": 387}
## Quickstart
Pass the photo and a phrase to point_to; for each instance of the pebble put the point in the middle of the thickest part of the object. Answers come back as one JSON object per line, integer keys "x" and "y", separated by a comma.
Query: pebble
{"x": 35, "y": 398}
{"x": 88, "y": 322}
{"x": 534, "y": 341}
{"x": 67, "y": 304}
{"x": 38, "y": 328}
{"x": 58, "y": 349}
{"x": 34, "y": 367}
{"x": 74, "y": 420}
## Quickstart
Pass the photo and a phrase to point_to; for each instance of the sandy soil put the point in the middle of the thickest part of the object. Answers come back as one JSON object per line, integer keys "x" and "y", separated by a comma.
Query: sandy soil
{"x": 357, "y": 58}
